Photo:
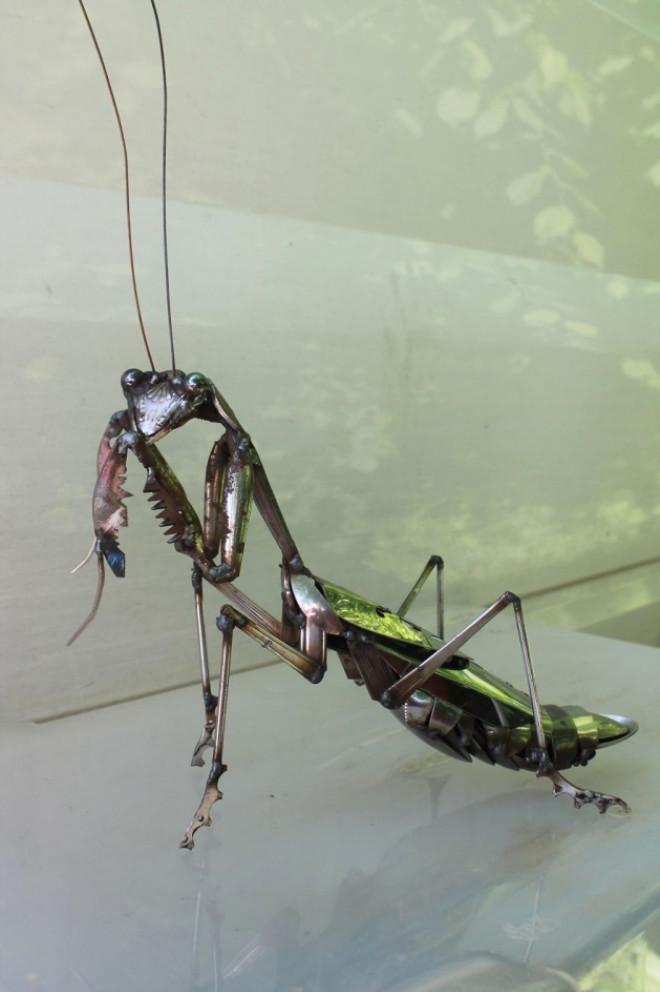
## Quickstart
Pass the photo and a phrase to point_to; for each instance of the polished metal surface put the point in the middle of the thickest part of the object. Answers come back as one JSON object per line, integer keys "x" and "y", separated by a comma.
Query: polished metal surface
{"x": 626, "y": 725}
{"x": 237, "y": 488}
{"x": 159, "y": 402}
{"x": 314, "y": 605}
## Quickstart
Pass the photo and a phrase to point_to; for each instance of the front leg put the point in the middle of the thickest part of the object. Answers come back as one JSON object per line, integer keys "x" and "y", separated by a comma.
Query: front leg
{"x": 108, "y": 511}
{"x": 228, "y": 497}
{"x": 108, "y": 507}
{"x": 178, "y": 517}
{"x": 174, "y": 510}
{"x": 235, "y": 478}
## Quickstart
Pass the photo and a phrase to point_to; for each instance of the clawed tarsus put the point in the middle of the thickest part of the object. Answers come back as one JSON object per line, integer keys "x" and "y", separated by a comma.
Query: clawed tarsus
{"x": 582, "y": 797}
{"x": 202, "y": 817}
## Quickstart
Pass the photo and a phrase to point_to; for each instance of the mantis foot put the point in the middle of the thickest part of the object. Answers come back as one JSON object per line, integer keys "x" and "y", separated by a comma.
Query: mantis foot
{"x": 202, "y": 817}
{"x": 581, "y": 797}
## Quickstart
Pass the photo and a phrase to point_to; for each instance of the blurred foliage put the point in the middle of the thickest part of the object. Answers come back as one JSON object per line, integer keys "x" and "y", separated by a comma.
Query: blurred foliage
{"x": 635, "y": 967}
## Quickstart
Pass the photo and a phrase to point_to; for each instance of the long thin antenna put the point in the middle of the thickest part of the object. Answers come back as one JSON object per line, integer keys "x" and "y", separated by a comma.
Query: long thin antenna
{"x": 126, "y": 183}
{"x": 164, "y": 183}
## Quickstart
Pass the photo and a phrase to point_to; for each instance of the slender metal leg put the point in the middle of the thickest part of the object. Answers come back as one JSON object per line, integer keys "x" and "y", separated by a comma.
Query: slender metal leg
{"x": 529, "y": 672}
{"x": 401, "y": 690}
{"x": 225, "y": 624}
{"x": 228, "y": 619}
{"x": 440, "y": 596}
{"x": 581, "y": 797}
{"x": 273, "y": 517}
{"x": 397, "y": 694}
{"x": 210, "y": 701}
{"x": 419, "y": 675}
{"x": 212, "y": 794}
{"x": 435, "y": 561}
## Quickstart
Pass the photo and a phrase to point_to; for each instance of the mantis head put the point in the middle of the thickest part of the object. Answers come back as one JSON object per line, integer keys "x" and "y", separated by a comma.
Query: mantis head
{"x": 159, "y": 402}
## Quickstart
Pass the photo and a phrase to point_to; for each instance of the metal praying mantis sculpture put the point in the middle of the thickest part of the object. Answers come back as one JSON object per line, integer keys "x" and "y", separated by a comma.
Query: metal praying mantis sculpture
{"x": 439, "y": 693}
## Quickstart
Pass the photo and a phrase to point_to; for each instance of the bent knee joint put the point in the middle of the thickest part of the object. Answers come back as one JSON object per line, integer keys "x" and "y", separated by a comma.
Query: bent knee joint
{"x": 223, "y": 572}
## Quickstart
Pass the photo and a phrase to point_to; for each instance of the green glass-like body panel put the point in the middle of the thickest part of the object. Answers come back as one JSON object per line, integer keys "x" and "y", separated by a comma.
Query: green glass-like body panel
{"x": 367, "y": 615}
{"x": 370, "y": 616}
{"x": 475, "y": 679}
{"x": 478, "y": 679}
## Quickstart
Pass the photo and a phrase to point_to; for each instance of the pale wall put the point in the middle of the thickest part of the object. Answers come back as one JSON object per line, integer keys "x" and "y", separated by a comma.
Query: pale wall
{"x": 414, "y": 246}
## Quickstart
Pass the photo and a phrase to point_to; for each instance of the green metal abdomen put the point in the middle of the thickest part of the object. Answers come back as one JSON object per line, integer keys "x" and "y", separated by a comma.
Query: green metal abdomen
{"x": 467, "y": 711}
{"x": 466, "y": 726}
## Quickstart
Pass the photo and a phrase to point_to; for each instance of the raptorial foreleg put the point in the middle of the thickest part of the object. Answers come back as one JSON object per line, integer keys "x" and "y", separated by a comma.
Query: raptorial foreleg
{"x": 228, "y": 497}
{"x": 108, "y": 510}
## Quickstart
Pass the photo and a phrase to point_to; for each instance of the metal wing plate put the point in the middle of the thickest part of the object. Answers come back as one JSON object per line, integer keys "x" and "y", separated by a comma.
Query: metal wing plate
{"x": 370, "y": 616}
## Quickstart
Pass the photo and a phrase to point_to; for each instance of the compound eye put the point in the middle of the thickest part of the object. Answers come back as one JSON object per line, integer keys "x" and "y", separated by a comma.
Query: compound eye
{"x": 130, "y": 378}
{"x": 195, "y": 382}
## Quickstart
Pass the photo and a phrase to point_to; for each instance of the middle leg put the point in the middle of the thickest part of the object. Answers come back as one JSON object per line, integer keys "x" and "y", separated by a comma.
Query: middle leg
{"x": 202, "y": 816}
{"x": 210, "y": 701}
{"x": 313, "y": 671}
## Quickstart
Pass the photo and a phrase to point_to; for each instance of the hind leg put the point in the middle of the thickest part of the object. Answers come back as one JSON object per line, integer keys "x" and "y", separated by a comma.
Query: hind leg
{"x": 435, "y": 561}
